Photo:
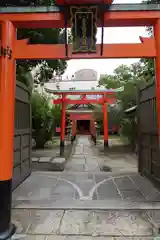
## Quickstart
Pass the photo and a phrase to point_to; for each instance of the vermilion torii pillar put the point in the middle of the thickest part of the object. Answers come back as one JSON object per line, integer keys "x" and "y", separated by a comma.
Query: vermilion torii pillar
{"x": 63, "y": 125}
{"x": 105, "y": 124}
{"x": 7, "y": 101}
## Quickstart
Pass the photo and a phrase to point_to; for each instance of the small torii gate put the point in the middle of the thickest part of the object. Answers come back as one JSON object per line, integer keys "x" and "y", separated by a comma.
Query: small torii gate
{"x": 65, "y": 14}
{"x": 87, "y": 97}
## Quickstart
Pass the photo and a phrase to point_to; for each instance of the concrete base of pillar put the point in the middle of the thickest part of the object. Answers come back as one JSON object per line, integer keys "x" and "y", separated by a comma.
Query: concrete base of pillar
{"x": 62, "y": 145}
{"x": 94, "y": 139}
{"x": 8, "y": 233}
{"x": 106, "y": 144}
{"x": 7, "y": 229}
{"x": 73, "y": 138}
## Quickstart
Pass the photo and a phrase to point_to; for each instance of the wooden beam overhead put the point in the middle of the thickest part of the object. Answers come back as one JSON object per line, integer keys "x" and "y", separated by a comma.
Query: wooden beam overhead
{"x": 145, "y": 49}
{"x": 53, "y": 17}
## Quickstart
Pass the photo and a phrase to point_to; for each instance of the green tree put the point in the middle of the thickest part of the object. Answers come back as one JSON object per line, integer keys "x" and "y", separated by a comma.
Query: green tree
{"x": 44, "y": 118}
{"x": 25, "y": 77}
{"x": 131, "y": 78}
{"x": 110, "y": 82}
{"x": 39, "y": 36}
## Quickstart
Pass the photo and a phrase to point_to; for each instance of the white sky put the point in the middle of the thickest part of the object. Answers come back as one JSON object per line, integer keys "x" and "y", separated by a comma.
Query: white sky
{"x": 111, "y": 35}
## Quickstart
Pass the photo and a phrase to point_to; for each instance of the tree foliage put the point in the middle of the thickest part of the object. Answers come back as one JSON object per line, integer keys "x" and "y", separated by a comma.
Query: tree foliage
{"x": 39, "y": 36}
{"x": 132, "y": 78}
{"x": 44, "y": 118}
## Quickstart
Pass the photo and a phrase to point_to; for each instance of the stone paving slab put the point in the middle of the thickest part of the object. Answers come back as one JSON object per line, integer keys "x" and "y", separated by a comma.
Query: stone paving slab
{"x": 108, "y": 238}
{"x": 35, "y": 187}
{"x": 56, "y": 237}
{"x": 107, "y": 190}
{"x": 74, "y": 185}
{"x": 124, "y": 183}
{"x": 105, "y": 223}
{"x": 37, "y": 153}
{"x": 37, "y": 221}
{"x": 85, "y": 204}
{"x": 78, "y": 160}
{"x": 45, "y": 159}
{"x": 154, "y": 217}
{"x": 146, "y": 187}
{"x": 91, "y": 167}
{"x": 63, "y": 190}
{"x": 29, "y": 237}
{"x": 133, "y": 195}
{"x": 82, "y": 222}
{"x": 35, "y": 159}
{"x": 74, "y": 167}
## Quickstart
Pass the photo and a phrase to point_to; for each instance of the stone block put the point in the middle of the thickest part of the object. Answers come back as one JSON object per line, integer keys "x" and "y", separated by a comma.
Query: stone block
{"x": 34, "y": 159}
{"x": 45, "y": 159}
{"x": 58, "y": 163}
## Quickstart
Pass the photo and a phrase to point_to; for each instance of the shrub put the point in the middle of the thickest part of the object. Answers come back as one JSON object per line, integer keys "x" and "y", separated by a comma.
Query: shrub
{"x": 42, "y": 119}
{"x": 129, "y": 130}
{"x": 56, "y": 112}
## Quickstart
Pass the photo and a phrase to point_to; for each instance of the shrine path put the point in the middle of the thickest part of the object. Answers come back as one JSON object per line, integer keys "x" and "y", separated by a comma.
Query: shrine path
{"x": 84, "y": 203}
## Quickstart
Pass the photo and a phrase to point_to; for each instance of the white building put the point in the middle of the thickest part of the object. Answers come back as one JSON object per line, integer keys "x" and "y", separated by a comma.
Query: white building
{"x": 86, "y": 75}
{"x": 83, "y": 79}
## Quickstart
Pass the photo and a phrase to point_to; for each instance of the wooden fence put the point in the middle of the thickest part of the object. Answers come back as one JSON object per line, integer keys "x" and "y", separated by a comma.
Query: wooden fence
{"x": 22, "y": 135}
{"x": 149, "y": 153}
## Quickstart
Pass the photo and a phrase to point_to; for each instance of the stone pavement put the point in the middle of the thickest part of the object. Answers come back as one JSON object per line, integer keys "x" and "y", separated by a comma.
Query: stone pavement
{"x": 57, "y": 186}
{"x": 86, "y": 204}
{"x": 83, "y": 158}
{"x": 48, "y": 159}
{"x": 69, "y": 224}
{"x": 117, "y": 158}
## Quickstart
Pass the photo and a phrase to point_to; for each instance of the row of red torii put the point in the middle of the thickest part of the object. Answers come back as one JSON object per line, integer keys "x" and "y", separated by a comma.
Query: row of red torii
{"x": 102, "y": 97}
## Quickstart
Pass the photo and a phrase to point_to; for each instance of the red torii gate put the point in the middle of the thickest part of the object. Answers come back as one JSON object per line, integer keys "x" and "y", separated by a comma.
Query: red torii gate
{"x": 105, "y": 96}
{"x": 54, "y": 17}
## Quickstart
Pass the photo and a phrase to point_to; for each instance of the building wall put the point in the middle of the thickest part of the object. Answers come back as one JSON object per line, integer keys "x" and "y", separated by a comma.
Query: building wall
{"x": 86, "y": 74}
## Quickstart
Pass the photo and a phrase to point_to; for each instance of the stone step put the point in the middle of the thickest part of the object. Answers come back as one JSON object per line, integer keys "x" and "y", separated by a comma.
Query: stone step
{"x": 49, "y": 164}
{"x": 124, "y": 223}
{"x": 86, "y": 204}
{"x": 75, "y": 237}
